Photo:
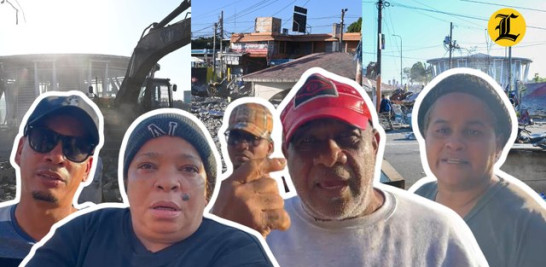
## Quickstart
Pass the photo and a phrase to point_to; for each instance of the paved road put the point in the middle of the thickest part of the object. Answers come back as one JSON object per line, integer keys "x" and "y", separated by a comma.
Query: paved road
{"x": 404, "y": 156}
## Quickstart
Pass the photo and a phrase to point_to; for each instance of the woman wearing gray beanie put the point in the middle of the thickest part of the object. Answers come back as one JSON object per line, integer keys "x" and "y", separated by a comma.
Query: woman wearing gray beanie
{"x": 169, "y": 172}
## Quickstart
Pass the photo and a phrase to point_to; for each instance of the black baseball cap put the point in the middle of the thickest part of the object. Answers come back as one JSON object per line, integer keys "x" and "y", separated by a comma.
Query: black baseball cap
{"x": 71, "y": 105}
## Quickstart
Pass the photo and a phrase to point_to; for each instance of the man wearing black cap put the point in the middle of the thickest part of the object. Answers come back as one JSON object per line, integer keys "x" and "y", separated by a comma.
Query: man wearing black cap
{"x": 466, "y": 126}
{"x": 53, "y": 154}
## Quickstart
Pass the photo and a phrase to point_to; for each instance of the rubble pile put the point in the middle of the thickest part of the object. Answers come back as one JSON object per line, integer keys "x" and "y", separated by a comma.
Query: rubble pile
{"x": 210, "y": 110}
{"x": 7, "y": 180}
{"x": 535, "y": 100}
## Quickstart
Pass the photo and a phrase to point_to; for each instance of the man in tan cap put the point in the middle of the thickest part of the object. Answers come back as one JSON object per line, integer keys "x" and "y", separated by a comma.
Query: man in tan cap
{"x": 250, "y": 196}
{"x": 249, "y": 133}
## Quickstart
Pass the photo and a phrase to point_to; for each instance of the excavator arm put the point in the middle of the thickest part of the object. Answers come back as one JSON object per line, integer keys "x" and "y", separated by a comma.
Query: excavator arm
{"x": 160, "y": 40}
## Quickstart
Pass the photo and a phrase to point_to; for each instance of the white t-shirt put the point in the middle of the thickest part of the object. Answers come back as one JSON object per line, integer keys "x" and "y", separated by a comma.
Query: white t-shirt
{"x": 406, "y": 231}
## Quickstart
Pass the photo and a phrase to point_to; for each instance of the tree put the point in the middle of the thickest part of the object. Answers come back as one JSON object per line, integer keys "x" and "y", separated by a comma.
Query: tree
{"x": 538, "y": 79}
{"x": 429, "y": 73}
{"x": 419, "y": 73}
{"x": 355, "y": 26}
{"x": 206, "y": 42}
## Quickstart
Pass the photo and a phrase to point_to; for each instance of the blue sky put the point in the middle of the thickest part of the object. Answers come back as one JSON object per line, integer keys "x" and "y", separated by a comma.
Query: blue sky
{"x": 423, "y": 31}
{"x": 239, "y": 15}
{"x": 114, "y": 27}
{"x": 84, "y": 26}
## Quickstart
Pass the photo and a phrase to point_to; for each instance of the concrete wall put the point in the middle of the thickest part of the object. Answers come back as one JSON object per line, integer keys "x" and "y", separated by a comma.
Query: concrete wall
{"x": 266, "y": 90}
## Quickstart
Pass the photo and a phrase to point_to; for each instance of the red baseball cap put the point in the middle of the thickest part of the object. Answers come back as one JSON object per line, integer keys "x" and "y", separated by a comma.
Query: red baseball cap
{"x": 322, "y": 97}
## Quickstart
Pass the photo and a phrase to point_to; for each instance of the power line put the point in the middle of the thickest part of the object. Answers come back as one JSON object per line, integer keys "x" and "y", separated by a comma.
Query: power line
{"x": 454, "y": 14}
{"x": 493, "y": 4}
{"x": 391, "y": 29}
{"x": 423, "y": 48}
{"x": 205, "y": 28}
{"x": 284, "y": 8}
{"x": 438, "y": 10}
{"x": 215, "y": 11}
{"x": 397, "y": 56}
{"x": 251, "y": 9}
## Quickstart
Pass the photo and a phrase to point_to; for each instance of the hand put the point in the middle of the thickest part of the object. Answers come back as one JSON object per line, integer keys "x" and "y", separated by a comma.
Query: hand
{"x": 251, "y": 197}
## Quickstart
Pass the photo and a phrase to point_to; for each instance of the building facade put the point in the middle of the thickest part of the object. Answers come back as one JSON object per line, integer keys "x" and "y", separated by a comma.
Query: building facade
{"x": 24, "y": 77}
{"x": 497, "y": 67}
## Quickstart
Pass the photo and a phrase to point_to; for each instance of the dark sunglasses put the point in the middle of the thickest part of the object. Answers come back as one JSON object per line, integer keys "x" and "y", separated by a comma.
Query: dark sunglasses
{"x": 236, "y": 137}
{"x": 43, "y": 140}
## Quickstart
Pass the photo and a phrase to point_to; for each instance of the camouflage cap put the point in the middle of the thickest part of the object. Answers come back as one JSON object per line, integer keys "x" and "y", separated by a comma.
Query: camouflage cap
{"x": 253, "y": 118}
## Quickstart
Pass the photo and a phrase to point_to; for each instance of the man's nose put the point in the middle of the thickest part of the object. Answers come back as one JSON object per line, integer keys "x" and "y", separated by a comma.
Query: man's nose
{"x": 242, "y": 144}
{"x": 56, "y": 155}
{"x": 330, "y": 154}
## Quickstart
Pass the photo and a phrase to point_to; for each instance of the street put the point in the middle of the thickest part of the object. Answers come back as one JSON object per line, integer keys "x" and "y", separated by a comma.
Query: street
{"x": 404, "y": 155}
{"x": 523, "y": 162}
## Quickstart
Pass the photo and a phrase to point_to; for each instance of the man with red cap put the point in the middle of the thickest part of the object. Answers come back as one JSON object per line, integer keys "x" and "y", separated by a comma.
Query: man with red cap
{"x": 342, "y": 215}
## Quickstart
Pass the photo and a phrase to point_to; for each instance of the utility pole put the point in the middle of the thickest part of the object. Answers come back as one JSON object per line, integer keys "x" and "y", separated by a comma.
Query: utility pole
{"x": 221, "y": 48}
{"x": 396, "y": 35}
{"x": 450, "y": 43}
{"x": 380, "y": 5}
{"x": 509, "y": 69}
{"x": 343, "y": 10}
{"x": 214, "y": 52}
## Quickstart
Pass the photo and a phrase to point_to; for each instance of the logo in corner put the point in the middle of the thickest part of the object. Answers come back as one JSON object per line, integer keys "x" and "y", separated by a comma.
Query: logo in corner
{"x": 315, "y": 86}
{"x": 506, "y": 27}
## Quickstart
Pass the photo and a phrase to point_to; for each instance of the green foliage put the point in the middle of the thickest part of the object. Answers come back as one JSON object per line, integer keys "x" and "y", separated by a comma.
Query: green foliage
{"x": 419, "y": 73}
{"x": 355, "y": 26}
{"x": 206, "y": 42}
{"x": 538, "y": 79}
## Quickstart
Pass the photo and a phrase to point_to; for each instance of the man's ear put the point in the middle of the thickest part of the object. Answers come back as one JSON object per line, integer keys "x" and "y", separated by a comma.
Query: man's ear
{"x": 19, "y": 151}
{"x": 88, "y": 165}
{"x": 375, "y": 141}
{"x": 270, "y": 148}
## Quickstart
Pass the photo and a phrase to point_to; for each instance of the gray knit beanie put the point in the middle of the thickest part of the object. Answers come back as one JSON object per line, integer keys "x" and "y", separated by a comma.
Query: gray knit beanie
{"x": 474, "y": 85}
{"x": 172, "y": 124}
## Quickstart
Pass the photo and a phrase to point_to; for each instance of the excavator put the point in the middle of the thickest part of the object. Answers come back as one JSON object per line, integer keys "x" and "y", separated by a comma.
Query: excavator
{"x": 140, "y": 91}
{"x": 157, "y": 40}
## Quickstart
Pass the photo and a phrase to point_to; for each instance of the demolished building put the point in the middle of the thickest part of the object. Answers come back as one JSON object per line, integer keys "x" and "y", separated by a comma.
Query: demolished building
{"x": 24, "y": 77}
